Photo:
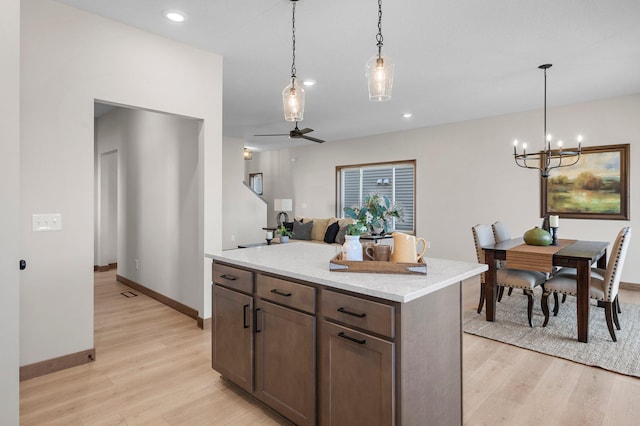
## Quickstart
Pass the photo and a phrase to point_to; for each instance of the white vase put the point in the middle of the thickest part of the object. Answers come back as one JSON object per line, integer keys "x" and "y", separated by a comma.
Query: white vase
{"x": 352, "y": 249}
{"x": 284, "y": 239}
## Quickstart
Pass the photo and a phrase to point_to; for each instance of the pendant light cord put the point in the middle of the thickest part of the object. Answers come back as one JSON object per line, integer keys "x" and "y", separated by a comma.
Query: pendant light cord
{"x": 379, "y": 37}
{"x": 545, "y": 109}
{"x": 293, "y": 40}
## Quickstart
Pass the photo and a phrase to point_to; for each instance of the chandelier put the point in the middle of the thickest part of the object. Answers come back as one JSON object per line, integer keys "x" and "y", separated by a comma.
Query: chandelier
{"x": 293, "y": 94}
{"x": 547, "y": 159}
{"x": 379, "y": 69}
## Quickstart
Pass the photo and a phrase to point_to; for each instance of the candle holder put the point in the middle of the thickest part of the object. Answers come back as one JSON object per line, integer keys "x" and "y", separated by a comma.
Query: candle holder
{"x": 554, "y": 235}
{"x": 269, "y": 241}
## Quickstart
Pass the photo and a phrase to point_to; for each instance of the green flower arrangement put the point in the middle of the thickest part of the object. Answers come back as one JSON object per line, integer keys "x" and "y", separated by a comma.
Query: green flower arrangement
{"x": 374, "y": 215}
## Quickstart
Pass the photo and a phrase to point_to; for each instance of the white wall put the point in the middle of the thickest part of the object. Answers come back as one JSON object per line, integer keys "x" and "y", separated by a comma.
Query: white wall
{"x": 278, "y": 170}
{"x": 244, "y": 213}
{"x": 158, "y": 199}
{"x": 9, "y": 213}
{"x": 466, "y": 174}
{"x": 69, "y": 59}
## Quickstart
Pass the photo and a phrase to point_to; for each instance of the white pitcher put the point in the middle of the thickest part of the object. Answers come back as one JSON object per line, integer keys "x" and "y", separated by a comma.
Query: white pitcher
{"x": 352, "y": 248}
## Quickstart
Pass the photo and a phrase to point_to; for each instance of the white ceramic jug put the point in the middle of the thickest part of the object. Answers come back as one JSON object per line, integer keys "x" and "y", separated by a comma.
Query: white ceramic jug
{"x": 352, "y": 249}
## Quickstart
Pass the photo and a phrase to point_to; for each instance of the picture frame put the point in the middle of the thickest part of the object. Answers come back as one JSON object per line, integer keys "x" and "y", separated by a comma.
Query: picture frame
{"x": 597, "y": 187}
{"x": 255, "y": 182}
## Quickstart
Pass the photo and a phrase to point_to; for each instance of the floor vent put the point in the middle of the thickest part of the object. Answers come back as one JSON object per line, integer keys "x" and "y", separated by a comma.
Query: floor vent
{"x": 128, "y": 294}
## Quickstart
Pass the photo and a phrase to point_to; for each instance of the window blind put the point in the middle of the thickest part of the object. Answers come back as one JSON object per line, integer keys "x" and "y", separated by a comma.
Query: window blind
{"x": 395, "y": 181}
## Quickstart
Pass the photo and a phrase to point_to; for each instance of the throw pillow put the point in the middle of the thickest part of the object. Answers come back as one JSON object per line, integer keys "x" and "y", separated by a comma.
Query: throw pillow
{"x": 332, "y": 232}
{"x": 341, "y": 233}
{"x": 302, "y": 231}
{"x": 319, "y": 228}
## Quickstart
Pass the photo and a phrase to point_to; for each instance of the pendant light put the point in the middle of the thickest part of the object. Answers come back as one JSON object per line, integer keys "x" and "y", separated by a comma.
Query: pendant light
{"x": 547, "y": 159}
{"x": 293, "y": 94}
{"x": 380, "y": 69}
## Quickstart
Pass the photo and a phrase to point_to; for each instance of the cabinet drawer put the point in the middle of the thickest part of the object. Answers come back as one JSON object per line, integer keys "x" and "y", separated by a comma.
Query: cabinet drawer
{"x": 286, "y": 293}
{"x": 231, "y": 277}
{"x": 365, "y": 314}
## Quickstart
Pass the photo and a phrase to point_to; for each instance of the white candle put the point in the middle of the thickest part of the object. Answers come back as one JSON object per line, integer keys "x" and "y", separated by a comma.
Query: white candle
{"x": 553, "y": 221}
{"x": 269, "y": 235}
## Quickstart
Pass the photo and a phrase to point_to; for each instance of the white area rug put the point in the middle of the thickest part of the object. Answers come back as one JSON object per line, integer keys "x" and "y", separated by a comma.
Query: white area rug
{"x": 559, "y": 337}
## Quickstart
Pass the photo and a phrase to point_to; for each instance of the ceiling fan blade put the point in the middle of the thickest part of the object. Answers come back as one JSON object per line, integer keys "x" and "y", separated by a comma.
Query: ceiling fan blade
{"x": 275, "y": 134}
{"x": 312, "y": 139}
{"x": 307, "y": 130}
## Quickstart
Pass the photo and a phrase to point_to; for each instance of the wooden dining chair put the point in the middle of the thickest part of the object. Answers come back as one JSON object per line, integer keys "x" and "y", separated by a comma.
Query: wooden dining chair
{"x": 604, "y": 287}
{"x": 506, "y": 277}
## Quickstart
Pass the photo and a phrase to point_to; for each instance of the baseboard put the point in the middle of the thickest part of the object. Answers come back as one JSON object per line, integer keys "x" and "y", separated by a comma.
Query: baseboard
{"x": 105, "y": 268}
{"x": 180, "y": 307}
{"x": 630, "y": 286}
{"x": 204, "y": 323}
{"x": 56, "y": 364}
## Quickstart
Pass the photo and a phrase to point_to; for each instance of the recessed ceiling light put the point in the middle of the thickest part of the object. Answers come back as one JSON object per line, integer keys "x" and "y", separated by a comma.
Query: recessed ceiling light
{"x": 407, "y": 115}
{"x": 308, "y": 82}
{"x": 175, "y": 15}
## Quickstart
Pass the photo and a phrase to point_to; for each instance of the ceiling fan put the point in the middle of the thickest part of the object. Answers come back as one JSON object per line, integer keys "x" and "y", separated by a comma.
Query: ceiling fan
{"x": 297, "y": 134}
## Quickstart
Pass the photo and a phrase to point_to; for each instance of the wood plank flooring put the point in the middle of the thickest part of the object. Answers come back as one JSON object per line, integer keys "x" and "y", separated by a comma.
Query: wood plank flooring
{"x": 153, "y": 367}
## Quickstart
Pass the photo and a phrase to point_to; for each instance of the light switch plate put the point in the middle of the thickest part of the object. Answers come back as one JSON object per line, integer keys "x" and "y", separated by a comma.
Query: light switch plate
{"x": 47, "y": 222}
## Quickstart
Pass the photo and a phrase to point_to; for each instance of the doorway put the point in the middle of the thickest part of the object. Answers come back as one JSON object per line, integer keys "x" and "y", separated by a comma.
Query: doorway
{"x": 106, "y": 218}
{"x": 148, "y": 218}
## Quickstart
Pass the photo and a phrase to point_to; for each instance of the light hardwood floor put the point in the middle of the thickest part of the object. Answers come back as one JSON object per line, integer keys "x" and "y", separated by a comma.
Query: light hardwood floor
{"x": 153, "y": 367}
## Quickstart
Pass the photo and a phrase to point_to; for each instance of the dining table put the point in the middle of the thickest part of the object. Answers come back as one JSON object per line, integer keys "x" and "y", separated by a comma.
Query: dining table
{"x": 577, "y": 254}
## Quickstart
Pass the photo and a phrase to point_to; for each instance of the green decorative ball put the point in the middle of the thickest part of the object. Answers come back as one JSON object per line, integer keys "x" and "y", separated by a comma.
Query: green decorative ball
{"x": 537, "y": 237}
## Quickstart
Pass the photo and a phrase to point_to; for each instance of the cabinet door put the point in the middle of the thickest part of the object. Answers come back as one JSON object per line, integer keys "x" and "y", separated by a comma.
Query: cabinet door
{"x": 285, "y": 361}
{"x": 356, "y": 376}
{"x": 231, "y": 336}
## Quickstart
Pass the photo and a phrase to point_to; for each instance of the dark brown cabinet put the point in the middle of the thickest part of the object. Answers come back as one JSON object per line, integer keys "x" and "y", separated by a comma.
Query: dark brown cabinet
{"x": 320, "y": 355}
{"x": 264, "y": 339}
{"x": 231, "y": 337}
{"x": 285, "y": 370}
{"x": 356, "y": 378}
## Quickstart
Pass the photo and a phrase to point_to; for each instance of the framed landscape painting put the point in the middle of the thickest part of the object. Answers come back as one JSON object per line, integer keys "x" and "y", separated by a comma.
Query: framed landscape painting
{"x": 597, "y": 187}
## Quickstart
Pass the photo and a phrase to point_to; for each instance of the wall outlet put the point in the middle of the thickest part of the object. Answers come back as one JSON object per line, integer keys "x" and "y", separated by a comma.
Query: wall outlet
{"x": 428, "y": 244}
{"x": 137, "y": 264}
{"x": 233, "y": 238}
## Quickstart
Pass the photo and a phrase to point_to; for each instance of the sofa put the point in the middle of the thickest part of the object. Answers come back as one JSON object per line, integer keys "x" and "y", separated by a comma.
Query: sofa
{"x": 318, "y": 230}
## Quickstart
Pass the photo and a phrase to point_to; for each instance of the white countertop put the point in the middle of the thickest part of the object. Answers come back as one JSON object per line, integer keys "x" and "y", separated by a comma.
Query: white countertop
{"x": 310, "y": 262}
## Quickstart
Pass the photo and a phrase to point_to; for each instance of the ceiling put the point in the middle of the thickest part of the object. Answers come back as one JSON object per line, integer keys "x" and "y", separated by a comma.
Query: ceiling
{"x": 455, "y": 60}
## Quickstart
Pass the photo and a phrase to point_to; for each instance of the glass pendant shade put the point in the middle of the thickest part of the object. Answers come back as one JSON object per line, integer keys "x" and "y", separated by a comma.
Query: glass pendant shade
{"x": 293, "y": 101}
{"x": 380, "y": 77}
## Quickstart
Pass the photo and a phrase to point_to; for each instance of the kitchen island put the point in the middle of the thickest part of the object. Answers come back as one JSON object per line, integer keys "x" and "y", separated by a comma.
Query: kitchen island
{"x": 333, "y": 348}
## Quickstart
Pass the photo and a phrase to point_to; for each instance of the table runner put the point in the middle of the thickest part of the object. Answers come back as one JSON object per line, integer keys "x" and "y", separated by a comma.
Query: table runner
{"x": 534, "y": 258}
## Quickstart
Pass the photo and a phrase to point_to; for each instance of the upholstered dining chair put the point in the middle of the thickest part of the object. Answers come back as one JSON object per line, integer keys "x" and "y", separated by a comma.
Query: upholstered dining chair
{"x": 604, "y": 283}
{"x": 501, "y": 233}
{"x": 506, "y": 277}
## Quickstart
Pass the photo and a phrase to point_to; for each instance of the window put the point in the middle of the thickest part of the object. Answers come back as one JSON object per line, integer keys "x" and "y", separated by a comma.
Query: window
{"x": 395, "y": 180}
{"x": 255, "y": 182}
